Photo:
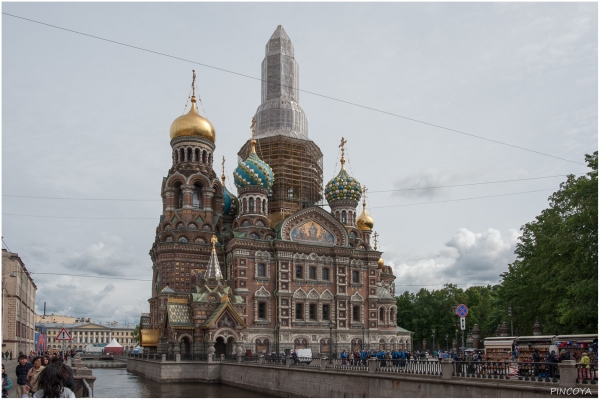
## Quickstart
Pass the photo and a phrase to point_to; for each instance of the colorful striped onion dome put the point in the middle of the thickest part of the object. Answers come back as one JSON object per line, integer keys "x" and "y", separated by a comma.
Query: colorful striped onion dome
{"x": 343, "y": 187}
{"x": 253, "y": 171}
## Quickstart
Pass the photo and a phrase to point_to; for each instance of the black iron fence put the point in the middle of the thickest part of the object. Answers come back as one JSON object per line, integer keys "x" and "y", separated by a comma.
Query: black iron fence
{"x": 587, "y": 374}
{"x": 415, "y": 367}
{"x": 336, "y": 362}
{"x": 527, "y": 371}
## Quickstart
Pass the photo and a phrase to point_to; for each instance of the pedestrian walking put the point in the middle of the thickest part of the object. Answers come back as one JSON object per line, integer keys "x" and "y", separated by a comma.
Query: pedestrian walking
{"x": 51, "y": 384}
{"x": 584, "y": 370}
{"x": 22, "y": 371}
{"x": 33, "y": 375}
{"x": 6, "y": 383}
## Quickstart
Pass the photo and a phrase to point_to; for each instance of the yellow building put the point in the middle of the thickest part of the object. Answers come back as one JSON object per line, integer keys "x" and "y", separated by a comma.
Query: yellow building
{"x": 85, "y": 334}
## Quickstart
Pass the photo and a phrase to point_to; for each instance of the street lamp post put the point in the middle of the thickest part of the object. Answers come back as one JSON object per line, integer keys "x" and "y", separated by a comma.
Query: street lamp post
{"x": 277, "y": 333}
{"x": 432, "y": 341}
{"x": 362, "y": 344}
{"x": 454, "y": 307}
{"x": 510, "y": 314}
{"x": 447, "y": 349}
{"x": 330, "y": 342}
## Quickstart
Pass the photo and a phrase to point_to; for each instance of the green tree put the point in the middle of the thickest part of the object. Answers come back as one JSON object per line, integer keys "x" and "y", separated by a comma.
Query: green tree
{"x": 136, "y": 334}
{"x": 555, "y": 276}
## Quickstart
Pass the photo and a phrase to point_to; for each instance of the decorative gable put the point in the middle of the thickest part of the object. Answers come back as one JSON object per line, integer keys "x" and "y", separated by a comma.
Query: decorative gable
{"x": 314, "y": 225}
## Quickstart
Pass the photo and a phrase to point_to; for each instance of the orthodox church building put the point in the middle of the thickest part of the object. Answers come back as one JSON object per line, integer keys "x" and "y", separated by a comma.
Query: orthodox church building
{"x": 267, "y": 268}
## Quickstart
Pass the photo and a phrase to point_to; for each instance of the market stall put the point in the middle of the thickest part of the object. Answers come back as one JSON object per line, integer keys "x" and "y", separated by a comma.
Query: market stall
{"x": 577, "y": 344}
{"x": 498, "y": 348}
{"x": 527, "y": 344}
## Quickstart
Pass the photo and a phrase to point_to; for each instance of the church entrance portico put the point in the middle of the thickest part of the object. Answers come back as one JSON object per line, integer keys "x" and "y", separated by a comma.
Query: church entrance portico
{"x": 220, "y": 346}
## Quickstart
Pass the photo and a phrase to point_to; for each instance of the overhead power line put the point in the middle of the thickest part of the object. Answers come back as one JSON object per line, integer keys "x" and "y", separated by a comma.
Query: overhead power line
{"x": 370, "y": 191}
{"x": 468, "y": 198}
{"x": 69, "y": 217}
{"x": 301, "y": 90}
{"x": 93, "y": 276}
{"x": 74, "y": 198}
{"x": 470, "y": 184}
{"x": 398, "y": 205}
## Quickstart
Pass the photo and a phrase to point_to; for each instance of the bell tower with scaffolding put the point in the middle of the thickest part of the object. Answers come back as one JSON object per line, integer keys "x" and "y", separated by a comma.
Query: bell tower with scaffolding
{"x": 282, "y": 133}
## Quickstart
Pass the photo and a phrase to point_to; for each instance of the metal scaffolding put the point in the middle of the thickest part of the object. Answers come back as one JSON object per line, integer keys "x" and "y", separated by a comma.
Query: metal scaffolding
{"x": 298, "y": 168}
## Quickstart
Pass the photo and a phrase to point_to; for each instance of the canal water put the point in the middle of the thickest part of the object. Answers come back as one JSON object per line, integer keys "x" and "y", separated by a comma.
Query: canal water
{"x": 118, "y": 383}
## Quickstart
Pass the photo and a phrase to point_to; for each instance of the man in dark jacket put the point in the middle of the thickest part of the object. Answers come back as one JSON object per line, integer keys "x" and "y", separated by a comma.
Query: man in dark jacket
{"x": 552, "y": 362}
{"x": 22, "y": 370}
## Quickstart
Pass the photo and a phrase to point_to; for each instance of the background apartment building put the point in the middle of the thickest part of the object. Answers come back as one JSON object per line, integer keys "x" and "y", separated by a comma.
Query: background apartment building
{"x": 18, "y": 305}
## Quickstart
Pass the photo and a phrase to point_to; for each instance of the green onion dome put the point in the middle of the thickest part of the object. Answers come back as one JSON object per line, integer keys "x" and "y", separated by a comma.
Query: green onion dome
{"x": 343, "y": 187}
{"x": 253, "y": 171}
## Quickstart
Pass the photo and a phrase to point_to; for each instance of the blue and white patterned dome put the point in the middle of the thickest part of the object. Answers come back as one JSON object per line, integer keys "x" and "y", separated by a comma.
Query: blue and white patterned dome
{"x": 253, "y": 171}
{"x": 343, "y": 187}
{"x": 230, "y": 203}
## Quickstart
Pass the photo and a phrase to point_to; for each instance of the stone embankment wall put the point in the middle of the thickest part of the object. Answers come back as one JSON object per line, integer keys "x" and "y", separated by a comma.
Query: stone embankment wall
{"x": 313, "y": 382}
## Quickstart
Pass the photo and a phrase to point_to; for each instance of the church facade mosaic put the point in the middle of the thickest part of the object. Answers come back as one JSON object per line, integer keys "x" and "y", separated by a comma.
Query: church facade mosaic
{"x": 232, "y": 273}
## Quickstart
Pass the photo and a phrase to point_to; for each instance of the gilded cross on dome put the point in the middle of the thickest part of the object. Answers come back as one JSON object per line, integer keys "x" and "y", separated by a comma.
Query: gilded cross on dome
{"x": 214, "y": 240}
{"x": 223, "y": 171}
{"x": 375, "y": 236}
{"x": 341, "y": 146}
{"x": 252, "y": 141}
{"x": 193, "y": 83}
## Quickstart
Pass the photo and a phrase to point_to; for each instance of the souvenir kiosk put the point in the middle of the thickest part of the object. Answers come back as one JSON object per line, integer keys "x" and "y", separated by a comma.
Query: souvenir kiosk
{"x": 577, "y": 344}
{"x": 527, "y": 344}
{"x": 498, "y": 348}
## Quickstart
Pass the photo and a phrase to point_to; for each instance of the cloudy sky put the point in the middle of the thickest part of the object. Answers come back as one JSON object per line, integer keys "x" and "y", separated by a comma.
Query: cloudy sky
{"x": 85, "y": 126}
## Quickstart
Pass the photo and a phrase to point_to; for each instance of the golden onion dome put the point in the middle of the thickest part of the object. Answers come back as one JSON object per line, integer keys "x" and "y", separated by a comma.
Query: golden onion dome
{"x": 193, "y": 124}
{"x": 380, "y": 263}
{"x": 364, "y": 222}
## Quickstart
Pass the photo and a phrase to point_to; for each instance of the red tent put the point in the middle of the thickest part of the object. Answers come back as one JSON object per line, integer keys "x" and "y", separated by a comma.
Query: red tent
{"x": 114, "y": 348}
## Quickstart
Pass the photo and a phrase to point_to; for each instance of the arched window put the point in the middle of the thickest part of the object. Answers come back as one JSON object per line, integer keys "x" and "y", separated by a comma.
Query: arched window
{"x": 204, "y": 156}
{"x": 381, "y": 314}
{"x": 197, "y": 197}
{"x": 261, "y": 270}
{"x": 264, "y": 206}
{"x": 178, "y": 195}
{"x": 189, "y": 154}
{"x": 350, "y": 217}
{"x": 251, "y": 204}
{"x": 244, "y": 205}
{"x": 391, "y": 315}
{"x": 355, "y": 277}
{"x": 258, "y": 206}
{"x": 344, "y": 220}
{"x": 181, "y": 155}
{"x": 197, "y": 155}
{"x": 312, "y": 273}
{"x": 325, "y": 274}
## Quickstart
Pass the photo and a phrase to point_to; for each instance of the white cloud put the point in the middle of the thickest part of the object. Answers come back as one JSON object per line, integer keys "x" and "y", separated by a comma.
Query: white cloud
{"x": 71, "y": 297}
{"x": 429, "y": 178}
{"x": 39, "y": 254}
{"x": 467, "y": 258}
{"x": 108, "y": 257}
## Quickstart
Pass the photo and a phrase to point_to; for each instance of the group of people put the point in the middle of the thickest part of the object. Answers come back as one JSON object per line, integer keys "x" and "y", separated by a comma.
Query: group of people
{"x": 360, "y": 357}
{"x": 7, "y": 355}
{"x": 43, "y": 376}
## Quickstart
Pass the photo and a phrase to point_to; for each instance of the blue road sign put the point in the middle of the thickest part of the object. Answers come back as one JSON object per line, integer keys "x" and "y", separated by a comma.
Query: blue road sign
{"x": 462, "y": 310}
